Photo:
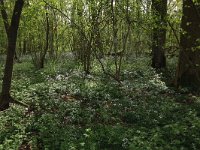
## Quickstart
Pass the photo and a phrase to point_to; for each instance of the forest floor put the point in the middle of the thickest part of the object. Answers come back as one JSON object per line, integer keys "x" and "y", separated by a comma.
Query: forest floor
{"x": 71, "y": 111}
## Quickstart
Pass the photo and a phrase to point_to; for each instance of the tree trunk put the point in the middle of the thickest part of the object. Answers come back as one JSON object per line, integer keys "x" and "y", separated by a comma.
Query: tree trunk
{"x": 6, "y": 23}
{"x": 188, "y": 71}
{"x": 5, "y": 17}
{"x": 24, "y": 47}
{"x": 42, "y": 59}
{"x": 159, "y": 9}
{"x": 5, "y": 98}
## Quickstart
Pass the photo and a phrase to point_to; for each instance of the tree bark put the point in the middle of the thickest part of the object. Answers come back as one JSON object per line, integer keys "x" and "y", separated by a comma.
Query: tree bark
{"x": 159, "y": 9}
{"x": 188, "y": 70}
{"x": 5, "y": 17}
{"x": 42, "y": 59}
{"x": 24, "y": 47}
{"x": 5, "y": 98}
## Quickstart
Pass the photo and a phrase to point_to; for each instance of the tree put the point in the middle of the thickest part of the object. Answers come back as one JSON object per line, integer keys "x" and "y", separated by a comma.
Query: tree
{"x": 188, "y": 71}
{"x": 159, "y": 9}
{"x": 5, "y": 98}
{"x": 42, "y": 57}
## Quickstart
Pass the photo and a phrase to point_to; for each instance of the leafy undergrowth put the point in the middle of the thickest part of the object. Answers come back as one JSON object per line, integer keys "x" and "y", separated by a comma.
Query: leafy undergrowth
{"x": 70, "y": 111}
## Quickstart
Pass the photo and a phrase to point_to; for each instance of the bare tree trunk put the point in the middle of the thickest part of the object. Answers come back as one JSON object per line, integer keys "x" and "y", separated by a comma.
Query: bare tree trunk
{"x": 159, "y": 9}
{"x": 24, "y": 47}
{"x": 42, "y": 59}
{"x": 6, "y": 23}
{"x": 5, "y": 17}
{"x": 115, "y": 32}
{"x": 188, "y": 71}
{"x": 5, "y": 98}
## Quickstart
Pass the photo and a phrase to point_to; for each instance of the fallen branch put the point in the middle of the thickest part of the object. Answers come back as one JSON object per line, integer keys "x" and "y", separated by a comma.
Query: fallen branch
{"x": 7, "y": 99}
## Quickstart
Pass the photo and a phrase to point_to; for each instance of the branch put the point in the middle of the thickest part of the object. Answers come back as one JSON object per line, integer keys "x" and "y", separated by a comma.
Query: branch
{"x": 4, "y": 16}
{"x": 174, "y": 31}
{"x": 65, "y": 15}
{"x": 104, "y": 71}
{"x": 12, "y": 100}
